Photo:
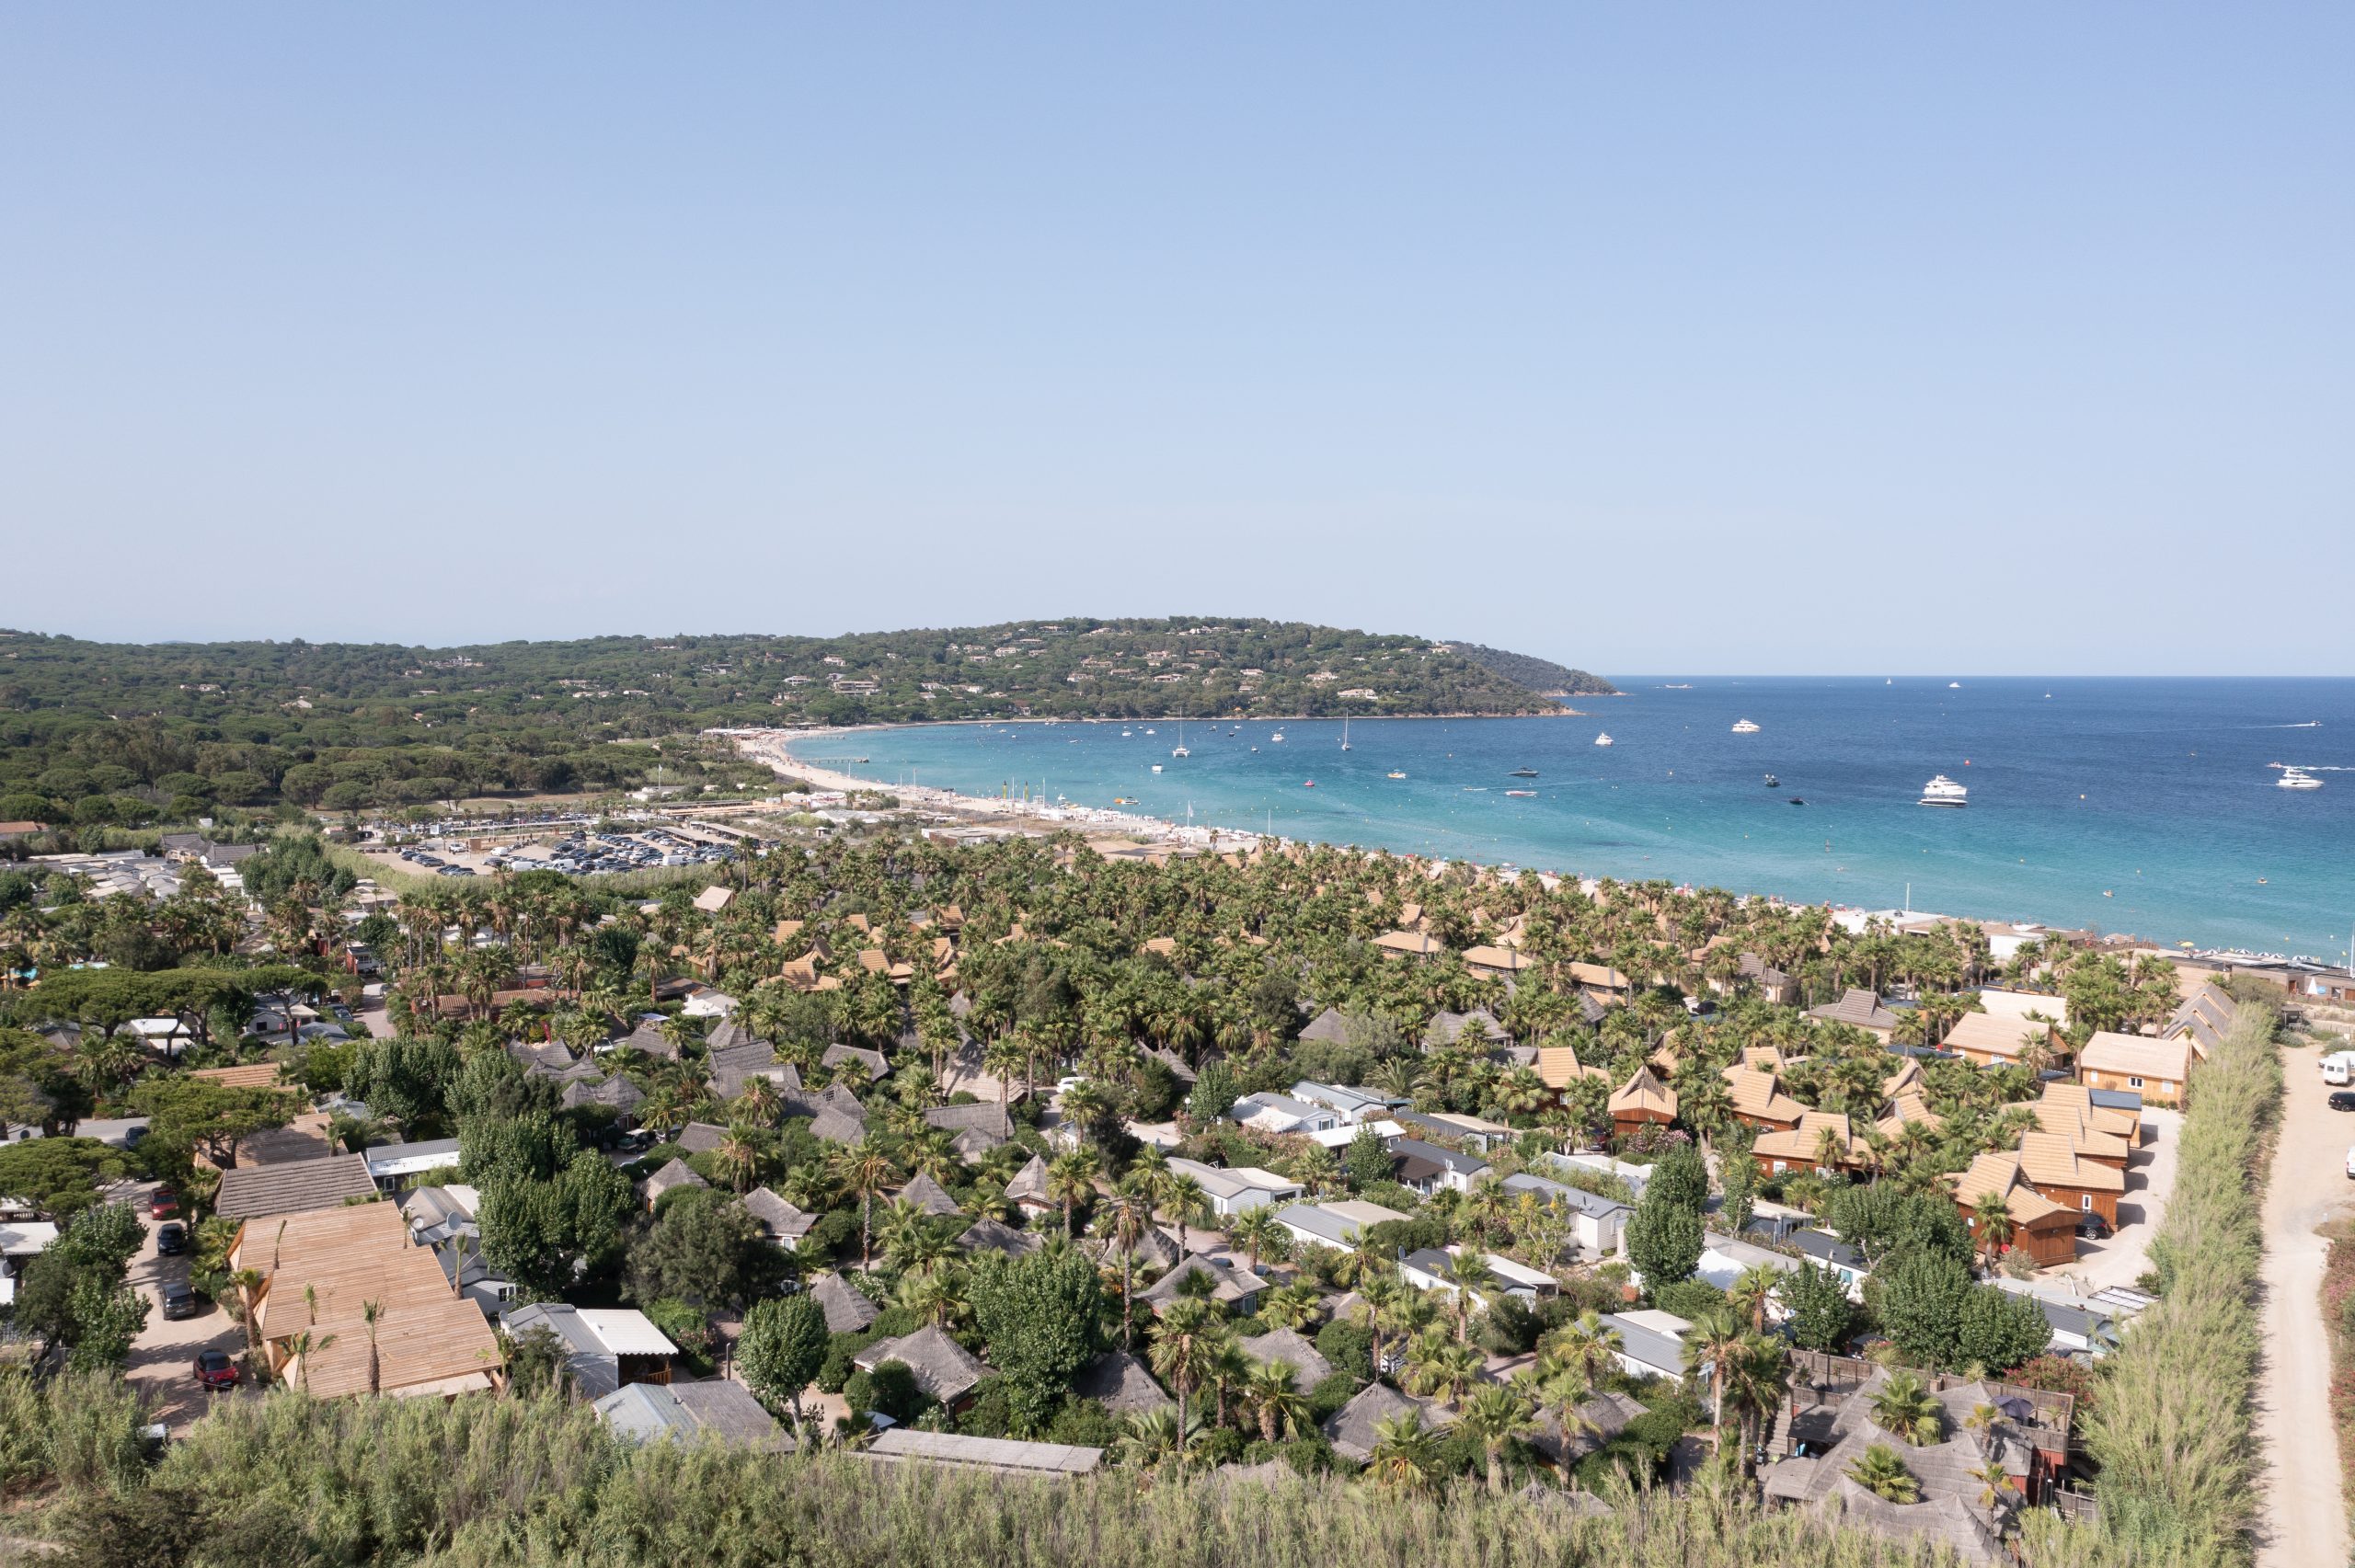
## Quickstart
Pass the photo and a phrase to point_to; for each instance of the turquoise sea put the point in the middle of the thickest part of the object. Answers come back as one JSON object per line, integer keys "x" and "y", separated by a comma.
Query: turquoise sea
{"x": 2142, "y": 805}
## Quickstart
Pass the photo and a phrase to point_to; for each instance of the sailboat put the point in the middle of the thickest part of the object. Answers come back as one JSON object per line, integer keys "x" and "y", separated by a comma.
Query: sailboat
{"x": 1345, "y": 732}
{"x": 1179, "y": 750}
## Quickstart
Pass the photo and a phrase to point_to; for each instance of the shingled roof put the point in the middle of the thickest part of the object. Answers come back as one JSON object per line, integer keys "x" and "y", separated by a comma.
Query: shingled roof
{"x": 1351, "y": 1428}
{"x": 252, "y": 1192}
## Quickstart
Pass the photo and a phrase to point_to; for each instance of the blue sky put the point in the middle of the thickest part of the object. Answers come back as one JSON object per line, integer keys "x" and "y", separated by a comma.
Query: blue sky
{"x": 1830, "y": 337}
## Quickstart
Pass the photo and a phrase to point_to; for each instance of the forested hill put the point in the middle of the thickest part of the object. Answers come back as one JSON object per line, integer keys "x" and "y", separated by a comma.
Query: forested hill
{"x": 120, "y": 733}
{"x": 1539, "y": 675}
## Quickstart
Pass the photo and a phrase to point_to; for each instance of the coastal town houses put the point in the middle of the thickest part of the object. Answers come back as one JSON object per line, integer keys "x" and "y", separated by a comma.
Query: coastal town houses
{"x": 2051, "y": 1166}
{"x": 2044, "y": 1229}
{"x": 1991, "y": 1040}
{"x": 1859, "y": 1009}
{"x": 1824, "y": 1142}
{"x": 1758, "y": 1100}
{"x": 2159, "y": 1070}
{"x": 324, "y": 1272}
{"x": 2202, "y": 1019}
{"x": 1644, "y": 1100}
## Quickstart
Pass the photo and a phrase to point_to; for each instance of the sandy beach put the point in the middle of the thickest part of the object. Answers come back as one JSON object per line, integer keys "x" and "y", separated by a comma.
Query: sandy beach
{"x": 776, "y": 748}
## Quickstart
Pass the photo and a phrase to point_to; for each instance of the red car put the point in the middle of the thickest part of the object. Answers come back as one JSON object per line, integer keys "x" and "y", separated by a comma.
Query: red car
{"x": 164, "y": 1204}
{"x": 216, "y": 1371}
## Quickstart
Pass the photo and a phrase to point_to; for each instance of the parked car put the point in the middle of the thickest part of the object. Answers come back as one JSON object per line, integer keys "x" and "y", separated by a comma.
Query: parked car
{"x": 216, "y": 1371}
{"x": 2343, "y": 1100}
{"x": 164, "y": 1202}
{"x": 2094, "y": 1228}
{"x": 171, "y": 1238}
{"x": 179, "y": 1302}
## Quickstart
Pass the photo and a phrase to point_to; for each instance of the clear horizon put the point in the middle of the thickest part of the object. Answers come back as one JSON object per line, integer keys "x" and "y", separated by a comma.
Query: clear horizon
{"x": 1854, "y": 340}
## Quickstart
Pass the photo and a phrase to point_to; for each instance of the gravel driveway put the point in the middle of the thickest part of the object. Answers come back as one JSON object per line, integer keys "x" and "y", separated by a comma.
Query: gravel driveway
{"x": 161, "y": 1356}
{"x": 2305, "y": 1519}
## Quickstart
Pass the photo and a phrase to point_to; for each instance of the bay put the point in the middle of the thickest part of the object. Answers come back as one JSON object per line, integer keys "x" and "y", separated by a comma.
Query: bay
{"x": 2142, "y": 805}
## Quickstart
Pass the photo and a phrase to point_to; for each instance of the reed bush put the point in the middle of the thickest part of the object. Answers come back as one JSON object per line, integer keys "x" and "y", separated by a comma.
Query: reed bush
{"x": 2172, "y": 1429}
{"x": 286, "y": 1478}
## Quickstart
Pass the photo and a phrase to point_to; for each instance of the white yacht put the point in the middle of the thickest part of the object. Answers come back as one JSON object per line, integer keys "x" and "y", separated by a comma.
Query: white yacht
{"x": 2297, "y": 778}
{"x": 1744, "y": 727}
{"x": 1603, "y": 739}
{"x": 1345, "y": 732}
{"x": 1276, "y": 736}
{"x": 1943, "y": 790}
{"x": 1179, "y": 750}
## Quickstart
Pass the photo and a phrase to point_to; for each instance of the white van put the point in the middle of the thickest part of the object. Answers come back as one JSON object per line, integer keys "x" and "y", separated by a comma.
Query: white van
{"x": 2350, "y": 1164}
{"x": 2339, "y": 1068}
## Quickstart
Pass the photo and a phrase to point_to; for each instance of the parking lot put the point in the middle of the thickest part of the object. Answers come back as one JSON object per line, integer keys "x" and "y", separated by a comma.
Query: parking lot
{"x": 581, "y": 852}
{"x": 162, "y": 1357}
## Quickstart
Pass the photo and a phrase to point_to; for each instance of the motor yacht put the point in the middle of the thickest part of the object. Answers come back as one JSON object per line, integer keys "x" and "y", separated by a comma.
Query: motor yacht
{"x": 1943, "y": 790}
{"x": 1773, "y": 782}
{"x": 1744, "y": 727}
{"x": 1603, "y": 739}
{"x": 1522, "y": 773}
{"x": 2297, "y": 778}
{"x": 1397, "y": 775}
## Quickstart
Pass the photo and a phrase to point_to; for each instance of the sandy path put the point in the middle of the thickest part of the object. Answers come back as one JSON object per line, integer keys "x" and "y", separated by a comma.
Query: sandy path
{"x": 2305, "y": 1519}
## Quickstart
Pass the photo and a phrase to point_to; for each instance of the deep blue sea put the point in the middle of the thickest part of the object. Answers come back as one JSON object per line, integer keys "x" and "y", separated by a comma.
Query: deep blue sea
{"x": 2142, "y": 805}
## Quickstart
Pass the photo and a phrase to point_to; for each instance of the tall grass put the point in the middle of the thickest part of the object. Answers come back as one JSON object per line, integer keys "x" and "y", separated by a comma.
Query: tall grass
{"x": 2173, "y": 1428}
{"x": 285, "y": 1479}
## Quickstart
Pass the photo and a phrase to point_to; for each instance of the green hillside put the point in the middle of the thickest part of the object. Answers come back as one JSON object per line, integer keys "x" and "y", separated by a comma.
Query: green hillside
{"x": 1540, "y": 675}
{"x": 105, "y": 733}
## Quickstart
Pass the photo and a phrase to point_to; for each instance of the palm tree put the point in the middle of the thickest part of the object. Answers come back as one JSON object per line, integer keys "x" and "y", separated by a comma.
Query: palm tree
{"x": 1589, "y": 1346}
{"x": 1883, "y": 1474}
{"x": 1440, "y": 1367}
{"x": 1257, "y": 1231}
{"x": 1384, "y": 1293}
{"x": 1990, "y": 1219}
{"x": 1566, "y": 1393}
{"x": 301, "y": 1345}
{"x": 1290, "y": 1306}
{"x": 1223, "y": 1369}
{"x": 1181, "y": 1344}
{"x": 1406, "y": 1453}
{"x": 1750, "y": 1294}
{"x": 1274, "y": 1400}
{"x": 1714, "y": 1342}
{"x": 371, "y": 1313}
{"x": 1993, "y": 1483}
{"x": 1494, "y": 1417}
{"x": 1154, "y": 1437}
{"x": 1182, "y": 1198}
{"x": 1905, "y": 1409}
{"x": 1466, "y": 1270}
{"x": 1124, "y": 1219}
{"x": 863, "y": 1172}
{"x": 248, "y": 1284}
{"x": 1071, "y": 1181}
{"x": 935, "y": 1295}
{"x": 737, "y": 1158}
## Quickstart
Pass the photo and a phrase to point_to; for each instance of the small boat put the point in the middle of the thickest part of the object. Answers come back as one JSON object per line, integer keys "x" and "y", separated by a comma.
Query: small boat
{"x": 1954, "y": 685}
{"x": 1156, "y": 767}
{"x": 1397, "y": 775}
{"x": 1526, "y": 794}
{"x": 1179, "y": 750}
{"x": 1124, "y": 734}
{"x": 1773, "y": 782}
{"x": 1797, "y": 801}
{"x": 1310, "y": 784}
{"x": 1943, "y": 790}
{"x": 1276, "y": 736}
{"x": 1603, "y": 739}
{"x": 1345, "y": 732}
{"x": 1674, "y": 686}
{"x": 1522, "y": 773}
{"x": 1744, "y": 727}
{"x": 1148, "y": 732}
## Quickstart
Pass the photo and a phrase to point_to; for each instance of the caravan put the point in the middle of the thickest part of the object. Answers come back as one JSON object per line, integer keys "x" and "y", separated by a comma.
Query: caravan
{"x": 2339, "y": 1068}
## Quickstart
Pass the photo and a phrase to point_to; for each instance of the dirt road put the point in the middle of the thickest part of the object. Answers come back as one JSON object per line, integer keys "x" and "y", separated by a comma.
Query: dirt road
{"x": 2304, "y": 1520}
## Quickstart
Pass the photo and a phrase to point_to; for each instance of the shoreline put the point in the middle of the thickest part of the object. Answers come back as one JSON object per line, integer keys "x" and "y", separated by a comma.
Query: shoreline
{"x": 775, "y": 747}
